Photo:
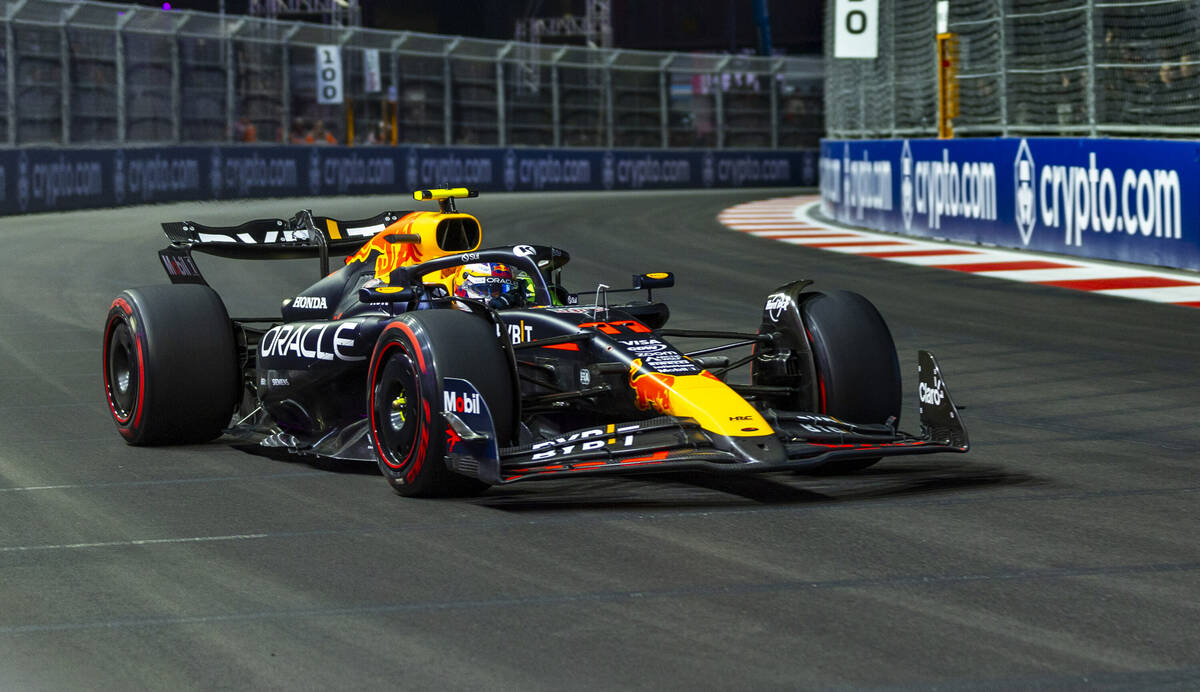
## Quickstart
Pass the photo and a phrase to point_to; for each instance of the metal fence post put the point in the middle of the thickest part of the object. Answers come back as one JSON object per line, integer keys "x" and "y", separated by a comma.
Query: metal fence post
{"x": 285, "y": 87}
{"x": 555, "y": 97}
{"x": 773, "y": 80}
{"x": 230, "y": 78}
{"x": 1091, "y": 67}
{"x": 348, "y": 107}
{"x": 501, "y": 116}
{"x": 609, "y": 119}
{"x": 230, "y": 81}
{"x": 862, "y": 98}
{"x": 64, "y": 46}
{"x": 719, "y": 99}
{"x": 1003, "y": 68}
{"x": 119, "y": 38}
{"x": 395, "y": 121}
{"x": 448, "y": 93}
{"x": 177, "y": 82}
{"x": 664, "y": 99}
{"x": 719, "y": 110}
{"x": 10, "y": 59}
{"x": 892, "y": 76}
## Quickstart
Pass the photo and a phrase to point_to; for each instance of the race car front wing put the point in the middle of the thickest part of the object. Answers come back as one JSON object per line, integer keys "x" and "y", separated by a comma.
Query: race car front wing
{"x": 666, "y": 443}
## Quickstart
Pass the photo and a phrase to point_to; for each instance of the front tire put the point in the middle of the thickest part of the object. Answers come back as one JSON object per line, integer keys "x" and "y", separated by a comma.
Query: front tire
{"x": 405, "y": 402}
{"x": 858, "y": 373}
{"x": 170, "y": 364}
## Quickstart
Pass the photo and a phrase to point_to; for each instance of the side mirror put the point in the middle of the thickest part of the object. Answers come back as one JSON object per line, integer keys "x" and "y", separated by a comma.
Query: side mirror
{"x": 654, "y": 280}
{"x": 386, "y": 294}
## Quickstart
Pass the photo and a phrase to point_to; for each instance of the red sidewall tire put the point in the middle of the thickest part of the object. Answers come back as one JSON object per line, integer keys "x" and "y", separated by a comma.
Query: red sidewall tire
{"x": 858, "y": 373}
{"x": 412, "y": 358}
{"x": 170, "y": 365}
{"x": 124, "y": 365}
{"x": 399, "y": 361}
{"x": 855, "y": 357}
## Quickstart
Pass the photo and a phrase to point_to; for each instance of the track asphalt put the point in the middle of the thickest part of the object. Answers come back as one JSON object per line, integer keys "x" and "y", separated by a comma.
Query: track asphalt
{"x": 1060, "y": 553}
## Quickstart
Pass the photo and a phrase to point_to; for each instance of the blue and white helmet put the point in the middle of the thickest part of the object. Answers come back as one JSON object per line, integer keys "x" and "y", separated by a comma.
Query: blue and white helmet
{"x": 486, "y": 281}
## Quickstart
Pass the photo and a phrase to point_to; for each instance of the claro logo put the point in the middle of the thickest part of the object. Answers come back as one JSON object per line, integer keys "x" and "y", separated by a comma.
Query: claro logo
{"x": 931, "y": 395}
{"x": 1142, "y": 202}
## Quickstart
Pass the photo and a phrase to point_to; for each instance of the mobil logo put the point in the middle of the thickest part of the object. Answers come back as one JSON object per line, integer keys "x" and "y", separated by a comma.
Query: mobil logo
{"x": 462, "y": 402}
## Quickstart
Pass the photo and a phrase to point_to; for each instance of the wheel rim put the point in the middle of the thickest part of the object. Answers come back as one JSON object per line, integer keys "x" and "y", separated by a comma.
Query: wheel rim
{"x": 397, "y": 413}
{"x": 123, "y": 376}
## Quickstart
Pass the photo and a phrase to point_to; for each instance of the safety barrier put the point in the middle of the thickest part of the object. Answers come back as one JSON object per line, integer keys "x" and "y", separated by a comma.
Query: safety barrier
{"x": 37, "y": 179}
{"x": 80, "y": 72}
{"x": 1125, "y": 68}
{"x": 1120, "y": 200}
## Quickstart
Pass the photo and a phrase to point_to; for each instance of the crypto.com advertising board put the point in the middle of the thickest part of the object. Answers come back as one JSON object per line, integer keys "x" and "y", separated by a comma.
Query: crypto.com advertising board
{"x": 36, "y": 180}
{"x": 1124, "y": 200}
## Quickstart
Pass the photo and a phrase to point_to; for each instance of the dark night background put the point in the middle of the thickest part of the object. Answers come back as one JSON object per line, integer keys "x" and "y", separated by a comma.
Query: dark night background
{"x": 708, "y": 25}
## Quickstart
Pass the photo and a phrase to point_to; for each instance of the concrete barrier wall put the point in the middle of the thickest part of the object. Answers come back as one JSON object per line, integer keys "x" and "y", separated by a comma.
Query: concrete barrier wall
{"x": 33, "y": 180}
{"x": 1125, "y": 200}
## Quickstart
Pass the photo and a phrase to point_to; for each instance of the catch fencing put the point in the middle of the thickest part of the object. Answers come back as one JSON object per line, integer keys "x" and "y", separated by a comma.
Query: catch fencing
{"x": 98, "y": 73}
{"x": 1026, "y": 67}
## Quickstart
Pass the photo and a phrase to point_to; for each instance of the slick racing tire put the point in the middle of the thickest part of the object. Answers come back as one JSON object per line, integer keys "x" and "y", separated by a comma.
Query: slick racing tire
{"x": 858, "y": 374}
{"x": 170, "y": 364}
{"x": 404, "y": 396}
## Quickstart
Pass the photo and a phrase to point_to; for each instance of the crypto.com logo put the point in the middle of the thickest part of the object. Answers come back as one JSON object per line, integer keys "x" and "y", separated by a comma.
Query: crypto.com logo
{"x": 1025, "y": 213}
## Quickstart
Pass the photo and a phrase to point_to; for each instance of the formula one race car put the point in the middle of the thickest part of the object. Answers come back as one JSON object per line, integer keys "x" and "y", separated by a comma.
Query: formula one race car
{"x": 453, "y": 378}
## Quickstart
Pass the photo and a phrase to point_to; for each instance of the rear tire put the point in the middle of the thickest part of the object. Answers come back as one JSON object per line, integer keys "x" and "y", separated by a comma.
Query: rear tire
{"x": 170, "y": 364}
{"x": 404, "y": 396}
{"x": 858, "y": 373}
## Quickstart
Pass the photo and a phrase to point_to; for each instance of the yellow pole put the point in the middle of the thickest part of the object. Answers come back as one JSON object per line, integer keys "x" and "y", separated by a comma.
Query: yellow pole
{"x": 395, "y": 123}
{"x": 349, "y": 123}
{"x": 947, "y": 56}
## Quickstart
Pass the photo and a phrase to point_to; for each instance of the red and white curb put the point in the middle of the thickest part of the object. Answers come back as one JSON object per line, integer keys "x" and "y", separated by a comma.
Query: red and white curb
{"x": 790, "y": 220}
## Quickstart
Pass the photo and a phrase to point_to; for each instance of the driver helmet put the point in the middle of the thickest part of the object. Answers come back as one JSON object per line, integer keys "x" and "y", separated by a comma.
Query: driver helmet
{"x": 489, "y": 281}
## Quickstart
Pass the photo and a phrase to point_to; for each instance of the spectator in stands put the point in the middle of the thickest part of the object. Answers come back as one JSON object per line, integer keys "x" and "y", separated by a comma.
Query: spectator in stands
{"x": 1187, "y": 67}
{"x": 1065, "y": 109}
{"x": 299, "y": 132}
{"x": 1180, "y": 95}
{"x": 319, "y": 135}
{"x": 377, "y": 134}
{"x": 244, "y": 130}
{"x": 1168, "y": 70}
{"x": 1113, "y": 106}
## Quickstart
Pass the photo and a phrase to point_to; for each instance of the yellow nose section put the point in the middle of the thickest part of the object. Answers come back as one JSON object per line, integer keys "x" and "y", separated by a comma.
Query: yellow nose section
{"x": 708, "y": 400}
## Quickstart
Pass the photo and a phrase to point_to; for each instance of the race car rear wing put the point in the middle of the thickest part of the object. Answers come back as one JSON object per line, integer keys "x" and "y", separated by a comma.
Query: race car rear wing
{"x": 302, "y": 236}
{"x": 298, "y": 237}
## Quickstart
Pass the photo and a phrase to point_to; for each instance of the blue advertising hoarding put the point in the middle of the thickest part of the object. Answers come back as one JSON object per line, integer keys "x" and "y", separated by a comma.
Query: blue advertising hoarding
{"x": 1124, "y": 200}
{"x": 36, "y": 180}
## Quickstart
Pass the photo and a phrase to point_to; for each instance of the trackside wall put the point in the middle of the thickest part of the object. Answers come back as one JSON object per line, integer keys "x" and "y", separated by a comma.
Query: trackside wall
{"x": 34, "y": 180}
{"x": 1124, "y": 200}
